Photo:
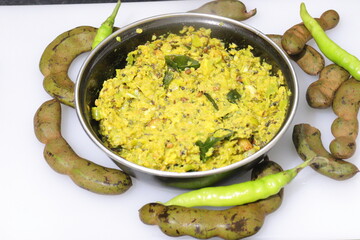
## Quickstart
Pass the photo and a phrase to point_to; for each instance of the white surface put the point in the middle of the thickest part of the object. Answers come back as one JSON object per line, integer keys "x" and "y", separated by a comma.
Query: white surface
{"x": 37, "y": 203}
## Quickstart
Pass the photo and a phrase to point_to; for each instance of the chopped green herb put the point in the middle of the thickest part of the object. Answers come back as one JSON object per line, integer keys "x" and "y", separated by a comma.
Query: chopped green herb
{"x": 168, "y": 77}
{"x": 210, "y": 142}
{"x": 211, "y": 100}
{"x": 181, "y": 62}
{"x": 227, "y": 116}
{"x": 233, "y": 96}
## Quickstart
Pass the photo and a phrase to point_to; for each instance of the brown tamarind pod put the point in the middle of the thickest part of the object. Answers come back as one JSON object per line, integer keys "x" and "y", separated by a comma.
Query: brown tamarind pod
{"x": 233, "y": 9}
{"x": 308, "y": 144}
{"x": 320, "y": 94}
{"x": 309, "y": 59}
{"x": 295, "y": 38}
{"x": 345, "y": 128}
{"x": 47, "y": 121}
{"x": 232, "y": 223}
{"x": 63, "y": 159}
{"x": 57, "y": 58}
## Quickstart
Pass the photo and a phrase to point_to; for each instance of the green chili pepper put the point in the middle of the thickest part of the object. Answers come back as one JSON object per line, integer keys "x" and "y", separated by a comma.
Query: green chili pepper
{"x": 181, "y": 62}
{"x": 329, "y": 48}
{"x": 238, "y": 194}
{"x": 106, "y": 27}
{"x": 210, "y": 142}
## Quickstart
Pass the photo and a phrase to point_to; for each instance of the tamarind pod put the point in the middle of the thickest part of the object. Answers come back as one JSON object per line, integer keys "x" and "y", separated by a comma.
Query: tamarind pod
{"x": 59, "y": 86}
{"x": 345, "y": 128}
{"x": 47, "y": 121}
{"x": 86, "y": 174}
{"x": 295, "y": 38}
{"x": 308, "y": 144}
{"x": 62, "y": 158}
{"x": 57, "y": 58}
{"x": 59, "y": 155}
{"x": 99, "y": 179}
{"x": 309, "y": 59}
{"x": 347, "y": 99}
{"x": 320, "y": 94}
{"x": 343, "y": 147}
{"x": 233, "y": 223}
{"x": 345, "y": 133}
{"x": 233, "y": 9}
{"x": 65, "y": 47}
{"x": 342, "y": 127}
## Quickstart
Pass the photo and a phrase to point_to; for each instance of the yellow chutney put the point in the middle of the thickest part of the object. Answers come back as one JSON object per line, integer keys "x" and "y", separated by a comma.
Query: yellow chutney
{"x": 189, "y": 102}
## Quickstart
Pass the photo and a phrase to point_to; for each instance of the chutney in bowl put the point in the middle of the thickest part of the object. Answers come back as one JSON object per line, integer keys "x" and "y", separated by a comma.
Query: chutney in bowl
{"x": 194, "y": 147}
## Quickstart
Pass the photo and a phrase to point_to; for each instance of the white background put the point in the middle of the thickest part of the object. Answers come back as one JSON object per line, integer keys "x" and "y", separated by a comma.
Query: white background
{"x": 38, "y": 203}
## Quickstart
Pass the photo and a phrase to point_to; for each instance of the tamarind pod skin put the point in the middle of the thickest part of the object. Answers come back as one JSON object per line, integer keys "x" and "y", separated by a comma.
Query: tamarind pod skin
{"x": 233, "y": 223}
{"x": 347, "y": 99}
{"x": 47, "y": 121}
{"x": 309, "y": 59}
{"x": 57, "y": 58}
{"x": 342, "y": 127}
{"x": 295, "y": 38}
{"x": 86, "y": 174}
{"x": 99, "y": 179}
{"x": 343, "y": 147}
{"x": 59, "y": 86}
{"x": 345, "y": 133}
{"x": 320, "y": 94}
{"x": 62, "y": 158}
{"x": 233, "y": 9}
{"x": 308, "y": 144}
{"x": 345, "y": 128}
{"x": 59, "y": 54}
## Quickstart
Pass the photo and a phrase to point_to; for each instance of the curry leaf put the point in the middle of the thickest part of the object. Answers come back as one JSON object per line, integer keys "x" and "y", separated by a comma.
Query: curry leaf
{"x": 233, "y": 96}
{"x": 208, "y": 96}
{"x": 181, "y": 62}
{"x": 168, "y": 77}
{"x": 210, "y": 142}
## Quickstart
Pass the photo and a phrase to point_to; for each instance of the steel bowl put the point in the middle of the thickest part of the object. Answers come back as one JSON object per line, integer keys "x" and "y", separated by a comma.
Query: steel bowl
{"x": 111, "y": 54}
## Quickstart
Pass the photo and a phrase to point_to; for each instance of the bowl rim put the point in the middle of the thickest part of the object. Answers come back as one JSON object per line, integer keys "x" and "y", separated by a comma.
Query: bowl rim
{"x": 168, "y": 174}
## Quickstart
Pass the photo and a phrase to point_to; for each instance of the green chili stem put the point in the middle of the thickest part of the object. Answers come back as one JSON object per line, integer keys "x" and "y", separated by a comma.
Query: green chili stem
{"x": 106, "y": 27}
{"x": 238, "y": 194}
{"x": 328, "y": 47}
